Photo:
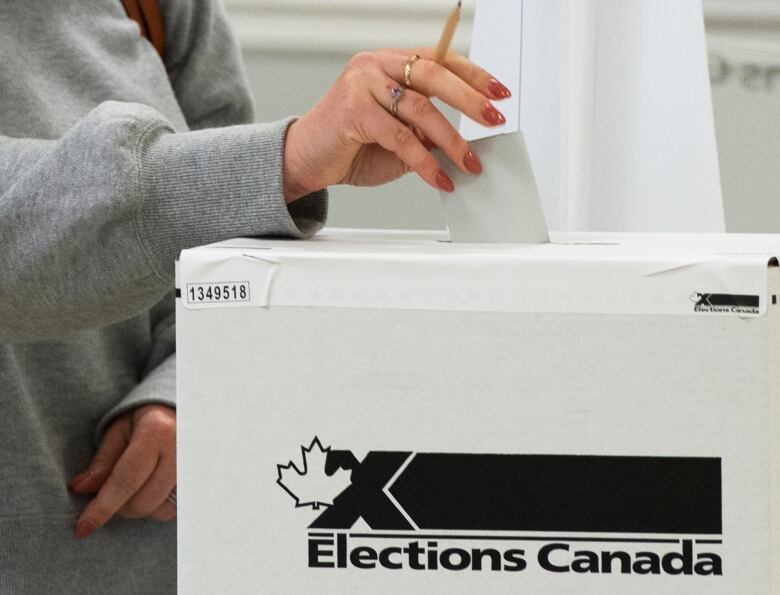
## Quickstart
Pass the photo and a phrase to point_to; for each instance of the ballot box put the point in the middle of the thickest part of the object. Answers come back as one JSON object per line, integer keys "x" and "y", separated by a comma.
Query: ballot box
{"x": 378, "y": 412}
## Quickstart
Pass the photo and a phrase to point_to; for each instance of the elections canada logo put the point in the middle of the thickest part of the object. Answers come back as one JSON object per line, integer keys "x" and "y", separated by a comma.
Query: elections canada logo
{"x": 311, "y": 485}
{"x": 723, "y": 303}
{"x": 439, "y": 512}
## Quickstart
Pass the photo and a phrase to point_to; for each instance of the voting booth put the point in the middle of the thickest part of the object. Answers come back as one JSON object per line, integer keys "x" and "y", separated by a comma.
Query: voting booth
{"x": 394, "y": 413}
{"x": 614, "y": 100}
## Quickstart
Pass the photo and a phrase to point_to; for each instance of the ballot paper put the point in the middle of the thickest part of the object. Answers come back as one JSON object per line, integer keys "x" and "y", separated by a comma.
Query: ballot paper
{"x": 501, "y": 205}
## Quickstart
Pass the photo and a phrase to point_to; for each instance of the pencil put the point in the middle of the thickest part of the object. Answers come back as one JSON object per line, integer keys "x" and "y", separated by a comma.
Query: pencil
{"x": 446, "y": 36}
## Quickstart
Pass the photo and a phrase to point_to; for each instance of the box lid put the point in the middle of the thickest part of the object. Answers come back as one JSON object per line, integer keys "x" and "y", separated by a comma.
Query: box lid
{"x": 609, "y": 273}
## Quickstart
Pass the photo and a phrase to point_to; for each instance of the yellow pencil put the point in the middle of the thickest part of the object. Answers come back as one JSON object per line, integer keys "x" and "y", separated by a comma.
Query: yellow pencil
{"x": 446, "y": 36}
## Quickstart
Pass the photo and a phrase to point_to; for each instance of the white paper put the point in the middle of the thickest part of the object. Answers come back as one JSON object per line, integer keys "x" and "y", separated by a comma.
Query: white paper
{"x": 500, "y": 205}
{"x": 497, "y": 47}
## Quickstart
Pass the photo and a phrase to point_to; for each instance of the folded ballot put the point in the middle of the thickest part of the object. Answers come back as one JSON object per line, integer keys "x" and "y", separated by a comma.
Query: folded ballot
{"x": 500, "y": 206}
{"x": 394, "y": 413}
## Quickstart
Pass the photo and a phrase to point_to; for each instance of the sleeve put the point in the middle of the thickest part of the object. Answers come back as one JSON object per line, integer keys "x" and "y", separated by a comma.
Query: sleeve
{"x": 91, "y": 223}
{"x": 158, "y": 379}
{"x": 204, "y": 66}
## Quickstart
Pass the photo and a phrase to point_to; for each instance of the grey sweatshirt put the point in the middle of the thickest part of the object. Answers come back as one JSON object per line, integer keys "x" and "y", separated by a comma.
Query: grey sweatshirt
{"x": 111, "y": 162}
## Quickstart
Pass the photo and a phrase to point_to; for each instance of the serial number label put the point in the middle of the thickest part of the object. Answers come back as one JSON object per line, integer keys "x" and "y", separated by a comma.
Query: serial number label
{"x": 218, "y": 293}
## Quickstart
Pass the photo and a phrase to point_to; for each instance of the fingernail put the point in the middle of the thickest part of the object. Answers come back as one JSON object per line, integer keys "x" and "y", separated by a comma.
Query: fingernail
{"x": 498, "y": 90}
{"x": 472, "y": 163}
{"x": 84, "y": 529}
{"x": 444, "y": 182}
{"x": 492, "y": 115}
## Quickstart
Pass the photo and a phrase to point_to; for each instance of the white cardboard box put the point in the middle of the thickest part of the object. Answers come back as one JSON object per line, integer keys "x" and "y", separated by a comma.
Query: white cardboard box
{"x": 487, "y": 418}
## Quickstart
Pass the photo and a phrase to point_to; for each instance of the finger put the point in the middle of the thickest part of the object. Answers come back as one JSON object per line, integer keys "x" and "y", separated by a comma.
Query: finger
{"x": 434, "y": 80}
{"x": 476, "y": 76}
{"x": 394, "y": 136}
{"x": 166, "y": 512}
{"x": 426, "y": 142}
{"x": 128, "y": 476}
{"x": 154, "y": 492}
{"x": 111, "y": 447}
{"x": 418, "y": 111}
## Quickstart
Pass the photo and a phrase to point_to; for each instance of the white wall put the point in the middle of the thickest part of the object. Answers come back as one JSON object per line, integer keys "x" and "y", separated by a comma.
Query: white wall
{"x": 294, "y": 49}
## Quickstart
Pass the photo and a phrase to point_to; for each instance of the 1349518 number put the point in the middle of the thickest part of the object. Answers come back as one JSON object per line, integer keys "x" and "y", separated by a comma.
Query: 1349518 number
{"x": 212, "y": 293}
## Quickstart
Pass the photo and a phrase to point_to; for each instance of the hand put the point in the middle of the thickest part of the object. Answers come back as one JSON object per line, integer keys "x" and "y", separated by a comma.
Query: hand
{"x": 350, "y": 137}
{"x": 133, "y": 471}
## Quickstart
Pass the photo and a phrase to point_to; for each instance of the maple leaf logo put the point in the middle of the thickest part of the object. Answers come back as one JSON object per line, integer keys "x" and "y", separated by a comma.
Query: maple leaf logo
{"x": 312, "y": 486}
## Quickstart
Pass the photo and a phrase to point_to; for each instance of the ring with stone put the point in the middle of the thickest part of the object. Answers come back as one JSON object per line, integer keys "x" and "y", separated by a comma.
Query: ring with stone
{"x": 408, "y": 70}
{"x": 396, "y": 93}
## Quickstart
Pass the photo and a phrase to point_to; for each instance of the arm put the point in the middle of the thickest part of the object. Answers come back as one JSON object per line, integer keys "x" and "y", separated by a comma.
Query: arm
{"x": 349, "y": 137}
{"x": 207, "y": 76}
{"x": 204, "y": 65}
{"x": 91, "y": 223}
{"x": 207, "y": 73}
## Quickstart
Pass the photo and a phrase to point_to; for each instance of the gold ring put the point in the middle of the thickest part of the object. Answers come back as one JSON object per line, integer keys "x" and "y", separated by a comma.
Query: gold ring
{"x": 408, "y": 70}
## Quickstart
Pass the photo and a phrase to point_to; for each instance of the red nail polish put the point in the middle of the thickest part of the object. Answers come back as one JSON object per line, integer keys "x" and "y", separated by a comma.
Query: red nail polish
{"x": 444, "y": 182}
{"x": 472, "y": 163}
{"x": 84, "y": 529}
{"x": 498, "y": 90}
{"x": 492, "y": 115}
